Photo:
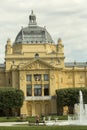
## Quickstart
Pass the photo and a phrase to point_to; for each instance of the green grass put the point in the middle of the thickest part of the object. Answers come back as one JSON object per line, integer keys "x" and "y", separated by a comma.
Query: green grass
{"x": 10, "y": 119}
{"x": 30, "y": 119}
{"x": 45, "y": 128}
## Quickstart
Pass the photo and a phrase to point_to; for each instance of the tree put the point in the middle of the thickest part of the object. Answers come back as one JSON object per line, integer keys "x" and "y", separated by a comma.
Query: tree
{"x": 69, "y": 97}
{"x": 11, "y": 98}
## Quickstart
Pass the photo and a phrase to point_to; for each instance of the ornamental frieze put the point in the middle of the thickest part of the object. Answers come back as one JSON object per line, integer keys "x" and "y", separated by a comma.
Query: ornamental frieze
{"x": 35, "y": 65}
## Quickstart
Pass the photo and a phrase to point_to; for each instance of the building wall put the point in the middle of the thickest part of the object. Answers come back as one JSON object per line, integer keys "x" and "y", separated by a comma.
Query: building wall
{"x": 2, "y": 78}
{"x": 20, "y": 61}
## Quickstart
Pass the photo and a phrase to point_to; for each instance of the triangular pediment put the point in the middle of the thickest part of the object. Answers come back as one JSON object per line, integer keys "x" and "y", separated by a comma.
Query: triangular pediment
{"x": 36, "y": 64}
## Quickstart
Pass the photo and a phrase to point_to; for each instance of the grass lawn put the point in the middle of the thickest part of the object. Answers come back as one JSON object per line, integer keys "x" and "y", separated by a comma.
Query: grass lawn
{"x": 30, "y": 119}
{"x": 44, "y": 128}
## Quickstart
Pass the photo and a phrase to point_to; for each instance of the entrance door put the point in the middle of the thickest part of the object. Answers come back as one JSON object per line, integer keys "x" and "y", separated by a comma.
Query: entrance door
{"x": 30, "y": 110}
{"x": 47, "y": 110}
{"x": 38, "y": 109}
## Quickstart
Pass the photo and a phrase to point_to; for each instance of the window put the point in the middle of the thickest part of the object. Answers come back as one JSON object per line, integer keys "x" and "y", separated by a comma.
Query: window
{"x": 46, "y": 77}
{"x": 37, "y": 77}
{"x": 46, "y": 89}
{"x": 36, "y": 55}
{"x": 28, "y": 77}
{"x": 37, "y": 90}
{"x": 29, "y": 90}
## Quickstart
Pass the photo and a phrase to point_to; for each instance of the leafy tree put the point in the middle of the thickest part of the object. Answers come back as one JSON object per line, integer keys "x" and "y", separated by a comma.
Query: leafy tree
{"x": 11, "y": 98}
{"x": 69, "y": 97}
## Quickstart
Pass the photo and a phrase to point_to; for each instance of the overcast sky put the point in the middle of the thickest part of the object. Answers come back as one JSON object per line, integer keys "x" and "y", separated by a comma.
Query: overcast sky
{"x": 65, "y": 19}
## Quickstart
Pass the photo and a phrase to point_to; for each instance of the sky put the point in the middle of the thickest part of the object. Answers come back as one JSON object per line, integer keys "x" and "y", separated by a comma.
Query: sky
{"x": 65, "y": 19}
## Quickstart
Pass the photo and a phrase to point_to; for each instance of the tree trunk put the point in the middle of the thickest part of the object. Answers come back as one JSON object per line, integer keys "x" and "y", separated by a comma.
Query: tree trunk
{"x": 60, "y": 111}
{"x": 71, "y": 110}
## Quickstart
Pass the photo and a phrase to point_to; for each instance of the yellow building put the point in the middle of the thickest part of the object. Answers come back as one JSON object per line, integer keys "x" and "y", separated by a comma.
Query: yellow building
{"x": 35, "y": 64}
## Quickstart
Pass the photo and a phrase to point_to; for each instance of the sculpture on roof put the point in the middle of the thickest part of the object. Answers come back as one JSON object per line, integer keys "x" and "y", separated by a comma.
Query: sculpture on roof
{"x": 32, "y": 19}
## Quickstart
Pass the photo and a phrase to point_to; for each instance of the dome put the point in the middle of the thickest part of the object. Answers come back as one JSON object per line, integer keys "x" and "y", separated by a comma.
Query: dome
{"x": 33, "y": 33}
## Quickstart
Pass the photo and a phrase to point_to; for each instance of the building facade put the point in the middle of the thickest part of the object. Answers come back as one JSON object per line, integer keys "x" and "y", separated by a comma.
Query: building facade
{"x": 35, "y": 64}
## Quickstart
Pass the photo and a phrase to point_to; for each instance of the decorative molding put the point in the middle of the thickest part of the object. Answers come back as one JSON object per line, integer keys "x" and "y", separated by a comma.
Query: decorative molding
{"x": 36, "y": 65}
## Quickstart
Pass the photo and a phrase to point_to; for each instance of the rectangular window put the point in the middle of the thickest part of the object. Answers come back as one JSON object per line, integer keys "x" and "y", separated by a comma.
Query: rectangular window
{"x": 46, "y": 89}
{"x": 28, "y": 77}
{"x": 37, "y": 90}
{"x": 46, "y": 77}
{"x": 29, "y": 90}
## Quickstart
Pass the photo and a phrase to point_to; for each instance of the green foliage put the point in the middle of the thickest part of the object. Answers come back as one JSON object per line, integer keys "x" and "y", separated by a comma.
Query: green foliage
{"x": 11, "y": 98}
{"x": 70, "y": 96}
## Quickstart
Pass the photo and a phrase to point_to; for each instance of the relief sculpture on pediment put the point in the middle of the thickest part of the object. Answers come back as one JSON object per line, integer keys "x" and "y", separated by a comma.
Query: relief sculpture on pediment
{"x": 36, "y": 65}
{"x": 28, "y": 67}
{"x": 33, "y": 66}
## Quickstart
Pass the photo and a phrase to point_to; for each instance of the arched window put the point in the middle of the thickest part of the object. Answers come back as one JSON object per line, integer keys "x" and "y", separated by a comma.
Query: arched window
{"x": 36, "y": 55}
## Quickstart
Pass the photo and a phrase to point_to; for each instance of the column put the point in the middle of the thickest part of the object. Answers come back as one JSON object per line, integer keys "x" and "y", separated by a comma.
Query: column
{"x": 42, "y": 89}
{"x": 24, "y": 108}
{"x": 32, "y": 89}
{"x": 32, "y": 85}
{"x": 42, "y": 79}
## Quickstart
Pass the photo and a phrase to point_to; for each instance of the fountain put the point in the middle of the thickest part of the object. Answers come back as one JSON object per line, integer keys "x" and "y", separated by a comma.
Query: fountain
{"x": 79, "y": 119}
{"x": 81, "y": 116}
{"x": 82, "y": 109}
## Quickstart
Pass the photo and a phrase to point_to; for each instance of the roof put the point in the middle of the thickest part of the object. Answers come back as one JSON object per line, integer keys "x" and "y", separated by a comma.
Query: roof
{"x": 77, "y": 64}
{"x": 33, "y": 33}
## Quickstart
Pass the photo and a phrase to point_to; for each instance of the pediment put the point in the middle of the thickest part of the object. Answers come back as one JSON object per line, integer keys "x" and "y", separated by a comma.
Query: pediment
{"x": 36, "y": 64}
